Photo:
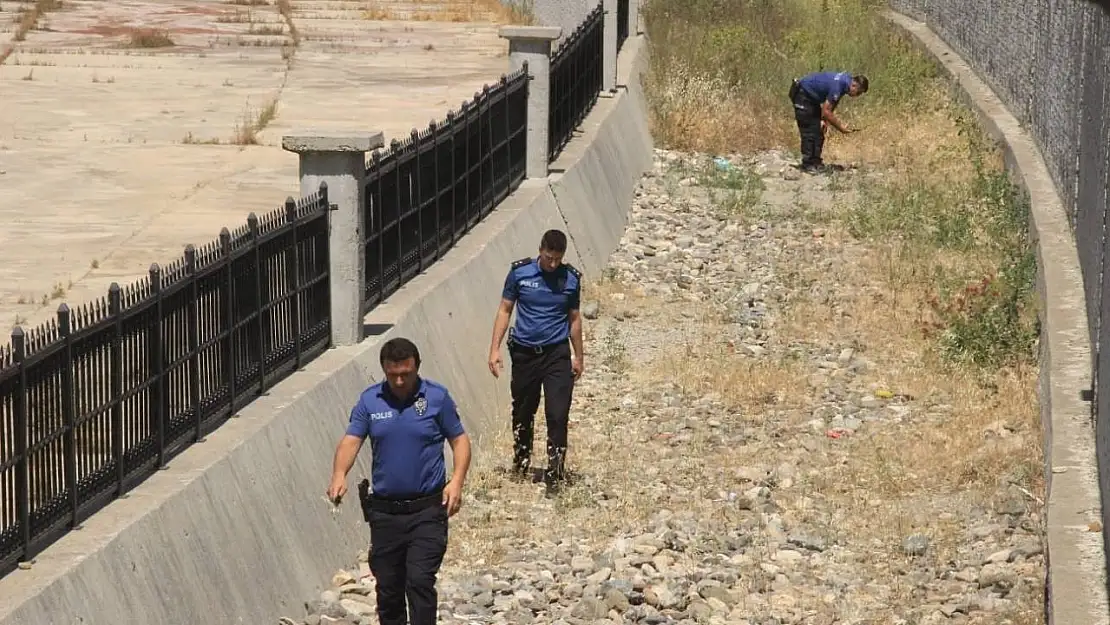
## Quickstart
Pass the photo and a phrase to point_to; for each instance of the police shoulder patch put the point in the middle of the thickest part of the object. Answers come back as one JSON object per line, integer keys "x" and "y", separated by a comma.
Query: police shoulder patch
{"x": 517, "y": 264}
{"x": 573, "y": 270}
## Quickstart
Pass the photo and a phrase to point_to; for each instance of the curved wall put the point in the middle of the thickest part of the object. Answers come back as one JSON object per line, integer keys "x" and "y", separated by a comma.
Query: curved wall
{"x": 996, "y": 45}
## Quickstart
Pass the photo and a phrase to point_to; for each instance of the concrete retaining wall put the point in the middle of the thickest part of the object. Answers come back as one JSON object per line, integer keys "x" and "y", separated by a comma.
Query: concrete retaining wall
{"x": 236, "y": 530}
{"x": 1074, "y": 551}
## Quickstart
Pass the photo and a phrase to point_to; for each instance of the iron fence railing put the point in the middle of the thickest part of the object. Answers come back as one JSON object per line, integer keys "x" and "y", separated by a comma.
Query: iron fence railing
{"x": 425, "y": 193}
{"x": 622, "y": 23}
{"x": 575, "y": 80}
{"x": 93, "y": 402}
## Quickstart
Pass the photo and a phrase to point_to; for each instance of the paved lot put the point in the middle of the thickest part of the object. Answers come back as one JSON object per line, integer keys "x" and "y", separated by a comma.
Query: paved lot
{"x": 115, "y": 155}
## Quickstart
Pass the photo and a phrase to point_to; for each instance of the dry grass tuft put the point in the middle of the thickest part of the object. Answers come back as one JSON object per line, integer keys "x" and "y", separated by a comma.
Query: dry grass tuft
{"x": 252, "y": 123}
{"x": 149, "y": 38}
{"x": 264, "y": 29}
{"x": 191, "y": 139}
{"x": 26, "y": 20}
{"x": 492, "y": 11}
{"x": 285, "y": 8}
{"x": 705, "y": 365}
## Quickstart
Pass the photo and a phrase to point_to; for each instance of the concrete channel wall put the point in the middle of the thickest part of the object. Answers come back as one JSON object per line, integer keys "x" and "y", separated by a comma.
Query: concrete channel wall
{"x": 1074, "y": 549}
{"x": 236, "y": 529}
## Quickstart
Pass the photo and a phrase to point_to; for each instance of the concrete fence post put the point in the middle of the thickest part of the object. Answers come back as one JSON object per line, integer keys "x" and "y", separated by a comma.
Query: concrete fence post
{"x": 633, "y": 18}
{"x": 339, "y": 159}
{"x": 609, "y": 46}
{"x": 530, "y": 46}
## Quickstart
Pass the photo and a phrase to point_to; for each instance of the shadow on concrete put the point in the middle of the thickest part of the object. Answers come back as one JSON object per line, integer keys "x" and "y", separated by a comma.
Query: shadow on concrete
{"x": 375, "y": 329}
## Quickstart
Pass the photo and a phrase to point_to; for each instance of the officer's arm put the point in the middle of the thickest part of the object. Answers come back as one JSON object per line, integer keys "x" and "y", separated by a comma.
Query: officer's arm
{"x": 347, "y": 450}
{"x": 345, "y": 454}
{"x": 576, "y": 332}
{"x": 501, "y": 322}
{"x": 829, "y": 116}
{"x": 509, "y": 293}
{"x": 460, "y": 455}
{"x": 575, "y": 318}
{"x": 452, "y": 428}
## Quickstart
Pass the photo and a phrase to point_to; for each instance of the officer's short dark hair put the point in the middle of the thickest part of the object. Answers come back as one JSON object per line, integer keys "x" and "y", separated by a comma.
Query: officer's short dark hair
{"x": 398, "y": 350}
{"x": 862, "y": 81}
{"x": 554, "y": 241}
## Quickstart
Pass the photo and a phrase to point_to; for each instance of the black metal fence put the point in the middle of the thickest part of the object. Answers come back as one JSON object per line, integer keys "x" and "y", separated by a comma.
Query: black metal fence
{"x": 95, "y": 401}
{"x": 622, "y": 23}
{"x": 576, "y": 74}
{"x": 425, "y": 193}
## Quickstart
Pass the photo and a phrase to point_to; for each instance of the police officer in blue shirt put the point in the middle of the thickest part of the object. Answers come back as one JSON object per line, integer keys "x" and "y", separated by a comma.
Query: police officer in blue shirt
{"x": 815, "y": 98}
{"x": 546, "y": 293}
{"x": 407, "y": 419}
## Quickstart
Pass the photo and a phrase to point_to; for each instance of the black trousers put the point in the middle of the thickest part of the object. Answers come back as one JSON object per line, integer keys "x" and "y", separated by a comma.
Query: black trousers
{"x": 807, "y": 112}
{"x": 547, "y": 369}
{"x": 406, "y": 551}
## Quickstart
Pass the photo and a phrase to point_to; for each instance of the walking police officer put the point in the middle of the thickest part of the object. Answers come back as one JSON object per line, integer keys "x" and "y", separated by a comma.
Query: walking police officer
{"x": 407, "y": 419}
{"x": 546, "y": 293}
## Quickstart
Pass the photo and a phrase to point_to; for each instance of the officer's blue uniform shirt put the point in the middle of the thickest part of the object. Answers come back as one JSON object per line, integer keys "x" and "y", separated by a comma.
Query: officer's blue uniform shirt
{"x": 406, "y": 438}
{"x": 543, "y": 301}
{"x": 829, "y": 86}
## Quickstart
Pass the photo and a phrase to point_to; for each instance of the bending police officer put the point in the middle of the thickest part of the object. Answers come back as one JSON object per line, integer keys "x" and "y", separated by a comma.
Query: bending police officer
{"x": 815, "y": 98}
{"x": 407, "y": 419}
{"x": 546, "y": 293}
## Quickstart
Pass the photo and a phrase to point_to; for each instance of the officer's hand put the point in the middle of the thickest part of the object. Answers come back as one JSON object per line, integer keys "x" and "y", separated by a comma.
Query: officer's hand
{"x": 452, "y": 498}
{"x": 577, "y": 366}
{"x": 337, "y": 489}
{"x": 495, "y": 363}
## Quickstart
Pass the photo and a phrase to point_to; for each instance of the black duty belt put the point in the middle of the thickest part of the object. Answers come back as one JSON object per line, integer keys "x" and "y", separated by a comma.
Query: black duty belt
{"x": 404, "y": 505}
{"x": 538, "y": 349}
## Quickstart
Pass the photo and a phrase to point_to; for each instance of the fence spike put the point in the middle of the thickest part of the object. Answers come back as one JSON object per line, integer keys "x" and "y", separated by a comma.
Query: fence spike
{"x": 19, "y": 343}
{"x": 65, "y": 319}
{"x": 115, "y": 304}
{"x": 190, "y": 258}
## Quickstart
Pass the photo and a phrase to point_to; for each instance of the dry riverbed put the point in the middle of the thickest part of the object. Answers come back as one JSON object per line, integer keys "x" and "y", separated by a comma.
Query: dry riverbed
{"x": 756, "y": 440}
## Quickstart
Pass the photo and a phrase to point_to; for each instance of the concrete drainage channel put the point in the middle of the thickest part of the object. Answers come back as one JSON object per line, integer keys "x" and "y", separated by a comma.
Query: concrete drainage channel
{"x": 205, "y": 521}
{"x": 607, "y": 583}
